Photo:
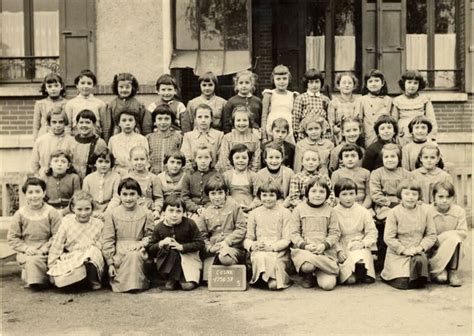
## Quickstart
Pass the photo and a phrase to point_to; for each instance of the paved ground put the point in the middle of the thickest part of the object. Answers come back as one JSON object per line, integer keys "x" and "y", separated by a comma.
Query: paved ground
{"x": 361, "y": 309}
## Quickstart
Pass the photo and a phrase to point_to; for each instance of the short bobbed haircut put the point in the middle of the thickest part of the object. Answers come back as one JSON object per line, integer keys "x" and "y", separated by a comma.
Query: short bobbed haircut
{"x": 175, "y": 154}
{"x": 344, "y": 184}
{"x": 409, "y": 184}
{"x": 351, "y": 148}
{"x": 125, "y": 76}
{"x": 312, "y": 74}
{"x": 86, "y": 114}
{"x": 446, "y": 185}
{"x": 420, "y": 120}
{"x": 386, "y": 119}
{"x": 52, "y": 78}
{"x": 33, "y": 181}
{"x": 392, "y": 147}
{"x": 242, "y": 109}
{"x": 239, "y": 148}
{"x": 208, "y": 77}
{"x": 131, "y": 184}
{"x": 163, "y": 109}
{"x": 215, "y": 183}
{"x": 269, "y": 187}
{"x": 412, "y": 74}
{"x": 321, "y": 181}
{"x": 174, "y": 200}
{"x": 57, "y": 111}
{"x": 377, "y": 74}
{"x": 86, "y": 73}
{"x": 81, "y": 195}
{"x": 104, "y": 153}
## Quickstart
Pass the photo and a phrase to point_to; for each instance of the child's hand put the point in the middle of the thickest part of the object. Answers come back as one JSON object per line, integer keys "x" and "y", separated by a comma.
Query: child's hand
{"x": 165, "y": 242}
{"x": 310, "y": 247}
{"x": 268, "y": 248}
{"x": 112, "y": 271}
{"x": 336, "y": 129}
{"x": 31, "y": 251}
{"x": 176, "y": 246}
{"x": 199, "y": 211}
{"x": 215, "y": 248}
{"x": 410, "y": 251}
{"x": 156, "y": 214}
{"x": 319, "y": 249}
{"x": 341, "y": 256}
{"x": 355, "y": 245}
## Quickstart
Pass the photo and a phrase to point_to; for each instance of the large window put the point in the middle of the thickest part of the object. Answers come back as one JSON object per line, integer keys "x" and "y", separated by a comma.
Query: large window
{"x": 212, "y": 35}
{"x": 333, "y": 36}
{"x": 432, "y": 41}
{"x": 29, "y": 39}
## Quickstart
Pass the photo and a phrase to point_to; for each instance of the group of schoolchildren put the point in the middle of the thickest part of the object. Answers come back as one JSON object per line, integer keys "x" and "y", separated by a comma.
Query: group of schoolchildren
{"x": 333, "y": 190}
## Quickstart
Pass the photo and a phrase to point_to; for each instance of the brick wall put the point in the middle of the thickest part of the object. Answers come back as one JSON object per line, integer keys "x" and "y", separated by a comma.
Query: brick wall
{"x": 262, "y": 42}
{"x": 16, "y": 115}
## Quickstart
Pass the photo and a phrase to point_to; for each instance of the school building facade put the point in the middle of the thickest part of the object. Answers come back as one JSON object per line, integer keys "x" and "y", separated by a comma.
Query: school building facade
{"x": 189, "y": 37}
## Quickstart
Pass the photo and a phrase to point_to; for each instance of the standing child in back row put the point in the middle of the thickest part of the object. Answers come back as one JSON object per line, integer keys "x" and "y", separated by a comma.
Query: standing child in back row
{"x": 53, "y": 90}
{"x": 125, "y": 87}
{"x": 208, "y": 85}
{"x": 167, "y": 90}
{"x": 411, "y": 104}
{"x": 85, "y": 100}
{"x": 278, "y": 103}
{"x": 374, "y": 103}
{"x": 311, "y": 103}
{"x": 244, "y": 83}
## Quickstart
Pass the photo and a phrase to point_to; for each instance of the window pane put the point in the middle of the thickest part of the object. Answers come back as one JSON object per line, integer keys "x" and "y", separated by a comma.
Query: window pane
{"x": 237, "y": 24}
{"x": 12, "y": 33}
{"x": 345, "y": 35}
{"x": 186, "y": 25}
{"x": 46, "y": 27}
{"x": 417, "y": 35}
{"x": 315, "y": 32}
{"x": 445, "y": 43}
{"x": 211, "y": 24}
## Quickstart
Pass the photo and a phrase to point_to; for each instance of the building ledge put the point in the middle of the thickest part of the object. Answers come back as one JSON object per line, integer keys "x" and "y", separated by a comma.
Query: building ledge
{"x": 20, "y": 90}
{"x": 16, "y": 141}
{"x": 446, "y": 96}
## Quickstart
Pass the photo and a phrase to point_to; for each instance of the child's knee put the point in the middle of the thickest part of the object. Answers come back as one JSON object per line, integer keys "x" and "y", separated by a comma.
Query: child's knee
{"x": 226, "y": 260}
{"x": 307, "y": 268}
{"x": 326, "y": 281}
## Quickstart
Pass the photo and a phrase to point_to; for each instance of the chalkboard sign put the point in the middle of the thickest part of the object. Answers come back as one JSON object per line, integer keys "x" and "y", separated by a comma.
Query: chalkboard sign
{"x": 227, "y": 278}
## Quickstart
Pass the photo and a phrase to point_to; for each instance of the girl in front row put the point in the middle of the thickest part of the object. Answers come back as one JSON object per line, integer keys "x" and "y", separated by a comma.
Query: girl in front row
{"x": 126, "y": 233}
{"x": 409, "y": 233}
{"x": 222, "y": 225}
{"x": 451, "y": 227}
{"x": 176, "y": 242}
{"x": 75, "y": 254}
{"x": 314, "y": 237}
{"x": 358, "y": 235}
{"x": 268, "y": 239}
{"x": 30, "y": 234}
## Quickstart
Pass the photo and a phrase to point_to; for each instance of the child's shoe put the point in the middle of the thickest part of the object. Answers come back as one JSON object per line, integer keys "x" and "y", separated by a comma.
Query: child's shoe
{"x": 360, "y": 271}
{"x": 171, "y": 285}
{"x": 309, "y": 281}
{"x": 441, "y": 278}
{"x": 454, "y": 280}
{"x": 188, "y": 285}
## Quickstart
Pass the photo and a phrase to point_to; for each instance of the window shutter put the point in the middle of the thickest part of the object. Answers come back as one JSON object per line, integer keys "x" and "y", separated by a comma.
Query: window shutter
{"x": 77, "y": 27}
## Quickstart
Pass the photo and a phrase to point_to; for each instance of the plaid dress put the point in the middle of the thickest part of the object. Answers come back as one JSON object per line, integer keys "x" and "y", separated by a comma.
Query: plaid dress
{"x": 74, "y": 244}
{"x": 308, "y": 104}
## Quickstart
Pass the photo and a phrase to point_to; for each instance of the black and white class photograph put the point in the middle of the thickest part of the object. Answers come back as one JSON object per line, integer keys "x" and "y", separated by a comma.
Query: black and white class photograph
{"x": 236, "y": 167}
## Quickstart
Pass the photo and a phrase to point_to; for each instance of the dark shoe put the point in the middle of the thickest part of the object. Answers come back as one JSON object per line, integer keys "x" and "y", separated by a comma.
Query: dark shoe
{"x": 171, "y": 285}
{"x": 368, "y": 280}
{"x": 360, "y": 271}
{"x": 309, "y": 281}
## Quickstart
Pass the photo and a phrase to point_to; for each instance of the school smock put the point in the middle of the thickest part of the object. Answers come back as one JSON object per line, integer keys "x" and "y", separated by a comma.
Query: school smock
{"x": 40, "y": 112}
{"x": 74, "y": 245}
{"x": 185, "y": 233}
{"x": 359, "y": 175}
{"x": 83, "y": 153}
{"x": 356, "y": 225}
{"x": 130, "y": 104}
{"x": 410, "y": 153}
{"x": 340, "y": 108}
{"x": 33, "y": 228}
{"x": 44, "y": 146}
{"x": 249, "y": 139}
{"x": 80, "y": 103}
{"x": 371, "y": 108}
{"x": 120, "y": 146}
{"x": 59, "y": 189}
{"x": 427, "y": 180}
{"x": 102, "y": 187}
{"x": 195, "y": 139}
{"x": 451, "y": 228}
{"x": 309, "y": 104}
{"x": 193, "y": 189}
{"x": 278, "y": 105}
{"x": 125, "y": 229}
{"x": 224, "y": 225}
{"x": 216, "y": 103}
{"x": 315, "y": 225}
{"x": 383, "y": 185}
{"x": 242, "y": 187}
{"x": 406, "y": 228}
{"x": 272, "y": 227}
{"x": 405, "y": 109}
{"x": 167, "y": 185}
{"x": 161, "y": 143}
{"x": 322, "y": 146}
{"x": 254, "y": 104}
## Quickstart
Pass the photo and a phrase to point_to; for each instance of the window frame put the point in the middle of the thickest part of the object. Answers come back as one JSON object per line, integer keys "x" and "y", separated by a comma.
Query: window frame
{"x": 29, "y": 42}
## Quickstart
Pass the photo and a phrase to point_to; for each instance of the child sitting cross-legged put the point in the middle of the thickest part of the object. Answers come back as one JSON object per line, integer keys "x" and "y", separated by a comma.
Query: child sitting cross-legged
{"x": 222, "y": 224}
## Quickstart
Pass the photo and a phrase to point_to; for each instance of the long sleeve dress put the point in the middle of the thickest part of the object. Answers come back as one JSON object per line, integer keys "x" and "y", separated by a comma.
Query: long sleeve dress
{"x": 272, "y": 227}
{"x": 451, "y": 228}
{"x": 371, "y": 108}
{"x": 226, "y": 224}
{"x": 356, "y": 225}
{"x": 315, "y": 225}
{"x": 102, "y": 188}
{"x": 242, "y": 187}
{"x": 35, "y": 229}
{"x": 172, "y": 264}
{"x": 123, "y": 230}
{"x": 73, "y": 245}
{"x": 406, "y": 228}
